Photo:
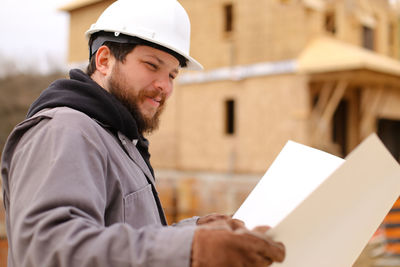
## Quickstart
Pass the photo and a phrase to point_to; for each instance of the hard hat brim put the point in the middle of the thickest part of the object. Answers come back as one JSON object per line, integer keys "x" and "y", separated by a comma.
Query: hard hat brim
{"x": 192, "y": 64}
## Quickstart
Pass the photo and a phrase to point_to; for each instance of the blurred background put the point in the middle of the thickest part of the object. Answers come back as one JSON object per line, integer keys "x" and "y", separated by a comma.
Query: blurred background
{"x": 325, "y": 73}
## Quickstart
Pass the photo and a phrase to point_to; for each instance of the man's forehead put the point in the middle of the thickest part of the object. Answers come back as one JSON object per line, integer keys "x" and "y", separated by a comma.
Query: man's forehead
{"x": 162, "y": 57}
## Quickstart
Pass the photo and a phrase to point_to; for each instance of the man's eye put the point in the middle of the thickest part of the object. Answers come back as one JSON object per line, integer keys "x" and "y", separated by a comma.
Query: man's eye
{"x": 154, "y": 66}
{"x": 172, "y": 77}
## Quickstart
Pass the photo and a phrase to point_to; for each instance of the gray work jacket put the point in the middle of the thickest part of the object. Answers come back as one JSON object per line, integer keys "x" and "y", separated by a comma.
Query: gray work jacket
{"x": 77, "y": 195}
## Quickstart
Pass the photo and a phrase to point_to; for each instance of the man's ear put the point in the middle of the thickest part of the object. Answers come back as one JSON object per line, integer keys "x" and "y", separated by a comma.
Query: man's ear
{"x": 104, "y": 60}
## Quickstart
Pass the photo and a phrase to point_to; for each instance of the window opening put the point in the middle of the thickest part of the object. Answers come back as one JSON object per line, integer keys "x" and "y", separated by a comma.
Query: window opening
{"x": 228, "y": 10}
{"x": 389, "y": 132}
{"x": 339, "y": 127}
{"x": 330, "y": 22}
{"x": 368, "y": 37}
{"x": 230, "y": 116}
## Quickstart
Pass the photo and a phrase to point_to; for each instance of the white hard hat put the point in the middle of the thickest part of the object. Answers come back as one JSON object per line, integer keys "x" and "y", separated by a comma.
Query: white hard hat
{"x": 162, "y": 22}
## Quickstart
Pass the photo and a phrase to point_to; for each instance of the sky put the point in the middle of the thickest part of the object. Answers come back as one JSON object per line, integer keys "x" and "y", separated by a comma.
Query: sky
{"x": 34, "y": 35}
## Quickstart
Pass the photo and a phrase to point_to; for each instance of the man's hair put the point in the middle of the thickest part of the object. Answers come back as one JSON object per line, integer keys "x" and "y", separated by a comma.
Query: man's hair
{"x": 118, "y": 50}
{"x": 121, "y": 49}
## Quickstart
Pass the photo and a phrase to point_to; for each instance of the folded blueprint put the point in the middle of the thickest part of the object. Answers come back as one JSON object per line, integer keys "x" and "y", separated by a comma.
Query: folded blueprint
{"x": 324, "y": 208}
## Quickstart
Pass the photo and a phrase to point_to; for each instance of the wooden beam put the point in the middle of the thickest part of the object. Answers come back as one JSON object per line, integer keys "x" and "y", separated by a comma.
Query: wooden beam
{"x": 324, "y": 110}
{"x": 334, "y": 101}
{"x": 323, "y": 99}
{"x": 369, "y": 109}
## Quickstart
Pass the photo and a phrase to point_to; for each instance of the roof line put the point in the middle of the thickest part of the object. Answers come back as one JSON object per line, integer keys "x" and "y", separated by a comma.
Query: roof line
{"x": 237, "y": 73}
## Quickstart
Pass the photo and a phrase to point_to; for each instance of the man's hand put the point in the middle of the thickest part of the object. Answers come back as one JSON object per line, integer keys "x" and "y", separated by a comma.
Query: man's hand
{"x": 221, "y": 221}
{"x": 215, "y": 246}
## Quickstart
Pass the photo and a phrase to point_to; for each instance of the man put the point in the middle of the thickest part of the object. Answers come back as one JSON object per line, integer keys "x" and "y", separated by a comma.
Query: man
{"x": 78, "y": 185}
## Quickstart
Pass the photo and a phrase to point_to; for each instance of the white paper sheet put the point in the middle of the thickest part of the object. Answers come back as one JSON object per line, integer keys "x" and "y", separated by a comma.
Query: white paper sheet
{"x": 324, "y": 209}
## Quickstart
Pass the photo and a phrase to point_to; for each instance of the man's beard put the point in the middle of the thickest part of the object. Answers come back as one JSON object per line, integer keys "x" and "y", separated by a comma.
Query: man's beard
{"x": 118, "y": 88}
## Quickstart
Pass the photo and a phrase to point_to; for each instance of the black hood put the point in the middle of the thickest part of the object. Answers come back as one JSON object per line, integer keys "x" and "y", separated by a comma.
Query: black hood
{"x": 81, "y": 93}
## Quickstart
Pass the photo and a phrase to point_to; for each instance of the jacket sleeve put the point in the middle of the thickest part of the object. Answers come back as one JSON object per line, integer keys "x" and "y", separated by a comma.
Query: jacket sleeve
{"x": 57, "y": 193}
{"x": 187, "y": 222}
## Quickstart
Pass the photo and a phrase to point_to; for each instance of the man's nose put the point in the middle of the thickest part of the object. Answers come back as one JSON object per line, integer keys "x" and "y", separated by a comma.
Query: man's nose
{"x": 164, "y": 84}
